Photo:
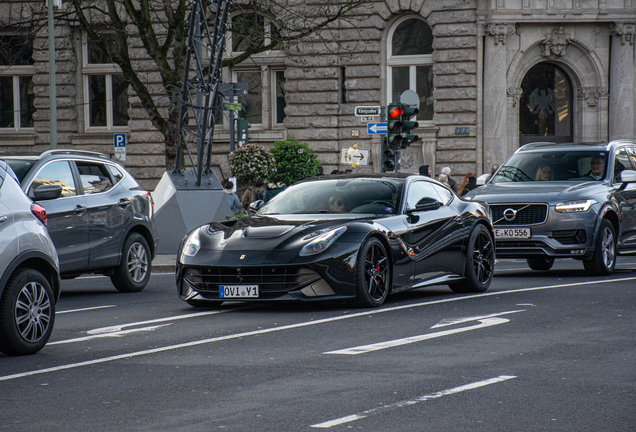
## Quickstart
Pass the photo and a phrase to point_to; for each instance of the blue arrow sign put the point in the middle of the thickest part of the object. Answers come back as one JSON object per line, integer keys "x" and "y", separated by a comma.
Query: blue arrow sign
{"x": 377, "y": 128}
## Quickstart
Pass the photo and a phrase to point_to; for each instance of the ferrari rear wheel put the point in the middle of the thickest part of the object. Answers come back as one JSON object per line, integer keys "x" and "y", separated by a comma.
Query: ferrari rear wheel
{"x": 542, "y": 263}
{"x": 480, "y": 263}
{"x": 374, "y": 274}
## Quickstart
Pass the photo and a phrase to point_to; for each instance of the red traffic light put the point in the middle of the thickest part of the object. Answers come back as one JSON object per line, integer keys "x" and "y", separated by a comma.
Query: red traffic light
{"x": 395, "y": 111}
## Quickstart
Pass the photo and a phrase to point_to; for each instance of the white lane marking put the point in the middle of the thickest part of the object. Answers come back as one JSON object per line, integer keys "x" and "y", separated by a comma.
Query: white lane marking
{"x": 84, "y": 309}
{"x": 299, "y": 325}
{"x": 113, "y": 334}
{"x": 487, "y": 322}
{"x": 378, "y": 410}
{"x": 453, "y": 321}
{"x": 117, "y": 328}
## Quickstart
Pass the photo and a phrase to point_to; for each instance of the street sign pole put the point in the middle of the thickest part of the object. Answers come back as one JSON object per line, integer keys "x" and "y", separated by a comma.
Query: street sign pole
{"x": 383, "y": 139}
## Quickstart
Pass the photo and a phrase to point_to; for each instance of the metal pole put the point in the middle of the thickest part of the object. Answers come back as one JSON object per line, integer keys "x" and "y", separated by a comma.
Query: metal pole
{"x": 52, "y": 81}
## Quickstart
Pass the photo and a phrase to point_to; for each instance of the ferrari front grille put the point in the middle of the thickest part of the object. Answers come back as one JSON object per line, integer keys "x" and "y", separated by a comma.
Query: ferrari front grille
{"x": 272, "y": 281}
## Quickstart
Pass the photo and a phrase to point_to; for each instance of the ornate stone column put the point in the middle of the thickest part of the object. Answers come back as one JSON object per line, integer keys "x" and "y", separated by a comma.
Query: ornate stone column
{"x": 621, "y": 109}
{"x": 495, "y": 93}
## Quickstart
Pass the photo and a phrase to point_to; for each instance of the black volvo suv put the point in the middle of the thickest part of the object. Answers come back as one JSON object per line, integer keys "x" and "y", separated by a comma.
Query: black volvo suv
{"x": 574, "y": 200}
{"x": 100, "y": 219}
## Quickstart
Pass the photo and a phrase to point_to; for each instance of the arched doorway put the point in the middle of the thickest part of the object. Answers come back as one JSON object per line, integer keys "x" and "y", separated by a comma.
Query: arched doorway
{"x": 545, "y": 107}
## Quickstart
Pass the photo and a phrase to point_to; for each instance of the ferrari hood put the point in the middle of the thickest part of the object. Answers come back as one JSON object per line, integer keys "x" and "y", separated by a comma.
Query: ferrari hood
{"x": 268, "y": 231}
{"x": 534, "y": 192}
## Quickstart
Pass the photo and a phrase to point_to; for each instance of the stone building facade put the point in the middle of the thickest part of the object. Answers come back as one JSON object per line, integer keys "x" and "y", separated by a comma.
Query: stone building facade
{"x": 491, "y": 76}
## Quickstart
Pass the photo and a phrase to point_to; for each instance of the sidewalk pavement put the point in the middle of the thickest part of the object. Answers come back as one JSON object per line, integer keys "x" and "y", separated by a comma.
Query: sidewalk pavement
{"x": 164, "y": 263}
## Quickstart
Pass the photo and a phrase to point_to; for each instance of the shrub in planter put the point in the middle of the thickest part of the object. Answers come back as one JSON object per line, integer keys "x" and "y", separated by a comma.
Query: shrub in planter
{"x": 252, "y": 162}
{"x": 295, "y": 161}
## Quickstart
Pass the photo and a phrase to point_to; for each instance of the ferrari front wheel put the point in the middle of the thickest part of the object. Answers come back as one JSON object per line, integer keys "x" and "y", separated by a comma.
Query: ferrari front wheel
{"x": 373, "y": 274}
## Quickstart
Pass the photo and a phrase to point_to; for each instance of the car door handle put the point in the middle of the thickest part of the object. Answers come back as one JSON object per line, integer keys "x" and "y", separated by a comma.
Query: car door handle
{"x": 123, "y": 203}
{"x": 3, "y": 219}
{"x": 79, "y": 210}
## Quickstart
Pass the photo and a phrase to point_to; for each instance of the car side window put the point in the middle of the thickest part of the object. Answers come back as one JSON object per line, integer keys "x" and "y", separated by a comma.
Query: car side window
{"x": 445, "y": 194}
{"x": 621, "y": 163}
{"x": 631, "y": 151}
{"x": 419, "y": 190}
{"x": 116, "y": 173}
{"x": 95, "y": 177}
{"x": 55, "y": 173}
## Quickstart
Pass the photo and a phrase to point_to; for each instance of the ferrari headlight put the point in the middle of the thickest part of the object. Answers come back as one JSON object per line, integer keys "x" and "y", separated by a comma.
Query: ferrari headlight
{"x": 322, "y": 242}
{"x": 574, "y": 206}
{"x": 192, "y": 245}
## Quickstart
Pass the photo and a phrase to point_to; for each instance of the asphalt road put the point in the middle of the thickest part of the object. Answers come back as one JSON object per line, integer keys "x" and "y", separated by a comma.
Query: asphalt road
{"x": 540, "y": 351}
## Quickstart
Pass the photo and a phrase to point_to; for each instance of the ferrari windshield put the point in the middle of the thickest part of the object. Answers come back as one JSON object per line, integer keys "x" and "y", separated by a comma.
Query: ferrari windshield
{"x": 346, "y": 195}
{"x": 575, "y": 165}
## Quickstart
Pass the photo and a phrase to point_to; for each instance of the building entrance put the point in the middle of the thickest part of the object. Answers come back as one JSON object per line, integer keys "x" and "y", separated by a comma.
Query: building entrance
{"x": 545, "y": 108}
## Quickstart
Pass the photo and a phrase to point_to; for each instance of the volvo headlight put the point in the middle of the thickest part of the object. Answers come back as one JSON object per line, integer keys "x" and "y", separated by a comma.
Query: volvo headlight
{"x": 192, "y": 245}
{"x": 574, "y": 206}
{"x": 322, "y": 242}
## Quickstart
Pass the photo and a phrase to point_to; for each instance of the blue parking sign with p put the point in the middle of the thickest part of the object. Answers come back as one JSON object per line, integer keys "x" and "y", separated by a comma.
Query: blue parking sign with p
{"x": 120, "y": 140}
{"x": 120, "y": 146}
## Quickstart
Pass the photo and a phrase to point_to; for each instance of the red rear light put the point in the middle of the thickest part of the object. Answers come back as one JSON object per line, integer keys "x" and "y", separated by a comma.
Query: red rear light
{"x": 39, "y": 212}
{"x": 149, "y": 196}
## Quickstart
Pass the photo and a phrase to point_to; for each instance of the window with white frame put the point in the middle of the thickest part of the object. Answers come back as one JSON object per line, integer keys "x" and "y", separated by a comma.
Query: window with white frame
{"x": 264, "y": 105}
{"x": 410, "y": 62}
{"x": 105, "y": 90}
{"x": 16, "y": 82}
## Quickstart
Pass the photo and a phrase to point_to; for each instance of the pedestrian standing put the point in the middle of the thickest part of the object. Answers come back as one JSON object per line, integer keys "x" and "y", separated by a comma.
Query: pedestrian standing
{"x": 252, "y": 193}
{"x": 443, "y": 178}
{"x": 451, "y": 182}
{"x": 272, "y": 190}
{"x": 425, "y": 170}
{"x": 232, "y": 199}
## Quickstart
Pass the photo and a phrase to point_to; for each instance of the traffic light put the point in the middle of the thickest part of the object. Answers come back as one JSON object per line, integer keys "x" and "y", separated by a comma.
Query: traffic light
{"x": 389, "y": 159}
{"x": 242, "y": 131}
{"x": 394, "y": 125}
{"x": 408, "y": 112}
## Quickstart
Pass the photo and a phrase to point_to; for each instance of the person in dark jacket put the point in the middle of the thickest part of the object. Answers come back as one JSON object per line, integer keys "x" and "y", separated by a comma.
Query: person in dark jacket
{"x": 425, "y": 170}
{"x": 272, "y": 190}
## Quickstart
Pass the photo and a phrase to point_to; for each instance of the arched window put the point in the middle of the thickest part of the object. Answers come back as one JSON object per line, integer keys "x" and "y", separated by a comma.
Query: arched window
{"x": 410, "y": 62}
{"x": 545, "y": 108}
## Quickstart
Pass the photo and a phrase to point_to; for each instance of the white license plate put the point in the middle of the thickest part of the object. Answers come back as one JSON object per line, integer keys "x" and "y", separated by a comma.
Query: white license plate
{"x": 238, "y": 291}
{"x": 512, "y": 233}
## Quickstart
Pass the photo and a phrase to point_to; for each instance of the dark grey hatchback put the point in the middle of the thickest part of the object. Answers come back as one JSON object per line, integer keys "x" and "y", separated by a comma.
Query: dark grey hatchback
{"x": 565, "y": 201}
{"x": 99, "y": 218}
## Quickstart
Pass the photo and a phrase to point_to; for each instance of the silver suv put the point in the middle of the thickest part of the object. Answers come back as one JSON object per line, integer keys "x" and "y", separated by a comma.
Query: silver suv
{"x": 100, "y": 219}
{"x": 29, "y": 273}
{"x": 570, "y": 200}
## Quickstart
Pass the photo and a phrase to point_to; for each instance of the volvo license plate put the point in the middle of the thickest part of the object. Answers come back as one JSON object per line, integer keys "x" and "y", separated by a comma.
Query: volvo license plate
{"x": 512, "y": 233}
{"x": 238, "y": 291}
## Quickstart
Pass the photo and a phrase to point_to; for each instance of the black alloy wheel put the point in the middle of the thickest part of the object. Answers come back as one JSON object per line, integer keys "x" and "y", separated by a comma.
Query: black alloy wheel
{"x": 480, "y": 263}
{"x": 603, "y": 260}
{"x": 542, "y": 263}
{"x": 27, "y": 313}
{"x": 374, "y": 274}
